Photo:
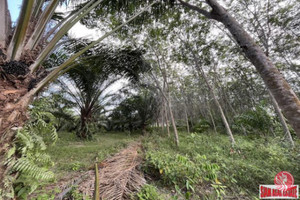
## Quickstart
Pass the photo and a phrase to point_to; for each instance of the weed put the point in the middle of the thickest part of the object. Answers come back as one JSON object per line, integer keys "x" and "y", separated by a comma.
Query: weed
{"x": 148, "y": 192}
{"x": 207, "y": 159}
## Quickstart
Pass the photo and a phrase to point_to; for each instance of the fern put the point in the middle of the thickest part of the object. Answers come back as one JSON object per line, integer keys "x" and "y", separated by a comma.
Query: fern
{"x": 28, "y": 158}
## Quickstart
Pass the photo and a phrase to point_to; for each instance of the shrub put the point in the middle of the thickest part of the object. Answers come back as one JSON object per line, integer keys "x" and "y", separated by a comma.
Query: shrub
{"x": 202, "y": 126}
{"x": 28, "y": 157}
{"x": 253, "y": 161}
{"x": 179, "y": 170}
{"x": 148, "y": 192}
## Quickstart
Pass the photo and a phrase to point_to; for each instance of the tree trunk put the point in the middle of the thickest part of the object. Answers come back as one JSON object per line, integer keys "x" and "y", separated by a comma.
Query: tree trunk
{"x": 85, "y": 118}
{"x": 213, "y": 121}
{"x": 186, "y": 119}
{"x": 14, "y": 100}
{"x": 211, "y": 89}
{"x": 282, "y": 120}
{"x": 167, "y": 120}
{"x": 280, "y": 89}
{"x": 162, "y": 119}
{"x": 5, "y": 23}
{"x": 173, "y": 122}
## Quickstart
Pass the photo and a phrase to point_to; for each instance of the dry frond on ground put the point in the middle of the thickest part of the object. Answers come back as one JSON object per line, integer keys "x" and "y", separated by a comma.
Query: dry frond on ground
{"x": 119, "y": 176}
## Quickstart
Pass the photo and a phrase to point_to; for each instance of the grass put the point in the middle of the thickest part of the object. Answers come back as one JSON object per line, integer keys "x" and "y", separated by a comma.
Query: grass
{"x": 204, "y": 166}
{"x": 253, "y": 161}
{"x": 72, "y": 154}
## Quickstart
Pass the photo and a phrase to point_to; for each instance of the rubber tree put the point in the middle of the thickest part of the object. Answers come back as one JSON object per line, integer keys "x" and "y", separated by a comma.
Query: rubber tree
{"x": 166, "y": 96}
{"x": 285, "y": 97}
{"x": 264, "y": 31}
{"x": 212, "y": 91}
{"x": 23, "y": 52}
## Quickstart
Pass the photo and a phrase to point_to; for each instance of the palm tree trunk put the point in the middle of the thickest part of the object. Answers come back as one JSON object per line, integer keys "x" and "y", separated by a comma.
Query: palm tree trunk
{"x": 13, "y": 115}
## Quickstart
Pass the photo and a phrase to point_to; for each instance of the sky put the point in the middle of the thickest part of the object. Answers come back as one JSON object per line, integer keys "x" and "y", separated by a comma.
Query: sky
{"x": 14, "y": 8}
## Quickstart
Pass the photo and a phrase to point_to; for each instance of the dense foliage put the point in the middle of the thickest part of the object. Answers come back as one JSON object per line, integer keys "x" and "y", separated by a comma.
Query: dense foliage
{"x": 206, "y": 161}
{"x": 28, "y": 159}
{"x": 136, "y": 112}
{"x": 174, "y": 74}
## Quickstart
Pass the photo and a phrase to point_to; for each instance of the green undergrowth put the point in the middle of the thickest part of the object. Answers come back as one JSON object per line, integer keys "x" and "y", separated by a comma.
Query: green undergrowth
{"x": 205, "y": 166}
{"x": 72, "y": 154}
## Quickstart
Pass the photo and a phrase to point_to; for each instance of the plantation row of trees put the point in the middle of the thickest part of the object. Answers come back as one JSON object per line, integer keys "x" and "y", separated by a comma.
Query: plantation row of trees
{"x": 189, "y": 65}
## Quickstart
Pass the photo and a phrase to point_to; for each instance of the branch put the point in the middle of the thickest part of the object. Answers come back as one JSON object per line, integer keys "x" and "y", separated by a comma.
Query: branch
{"x": 66, "y": 64}
{"x": 196, "y": 8}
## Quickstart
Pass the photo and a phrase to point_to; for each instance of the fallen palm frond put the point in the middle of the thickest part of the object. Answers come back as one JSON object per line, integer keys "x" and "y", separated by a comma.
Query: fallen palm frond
{"x": 119, "y": 176}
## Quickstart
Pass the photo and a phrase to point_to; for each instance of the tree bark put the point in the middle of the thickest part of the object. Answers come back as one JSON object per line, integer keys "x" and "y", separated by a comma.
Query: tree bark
{"x": 274, "y": 80}
{"x": 5, "y": 23}
{"x": 14, "y": 101}
{"x": 211, "y": 89}
{"x": 186, "y": 119}
{"x": 213, "y": 121}
{"x": 281, "y": 119}
{"x": 169, "y": 107}
{"x": 162, "y": 118}
{"x": 173, "y": 121}
{"x": 167, "y": 119}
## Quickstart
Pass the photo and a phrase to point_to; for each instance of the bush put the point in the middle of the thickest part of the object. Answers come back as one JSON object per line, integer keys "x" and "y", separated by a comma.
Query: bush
{"x": 253, "y": 161}
{"x": 202, "y": 126}
{"x": 148, "y": 192}
{"x": 180, "y": 171}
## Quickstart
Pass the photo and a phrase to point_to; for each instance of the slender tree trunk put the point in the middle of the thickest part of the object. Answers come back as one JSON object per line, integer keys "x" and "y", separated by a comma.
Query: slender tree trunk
{"x": 167, "y": 98}
{"x": 186, "y": 119}
{"x": 211, "y": 89}
{"x": 162, "y": 90}
{"x": 281, "y": 119}
{"x": 185, "y": 111}
{"x": 280, "y": 89}
{"x": 228, "y": 130}
{"x": 231, "y": 108}
{"x": 173, "y": 121}
{"x": 213, "y": 121}
{"x": 144, "y": 132}
{"x": 167, "y": 120}
{"x": 162, "y": 119}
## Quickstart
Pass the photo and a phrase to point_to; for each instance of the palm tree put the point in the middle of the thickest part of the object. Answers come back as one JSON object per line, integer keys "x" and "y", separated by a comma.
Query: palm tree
{"x": 23, "y": 50}
{"x": 87, "y": 85}
{"x": 86, "y": 88}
